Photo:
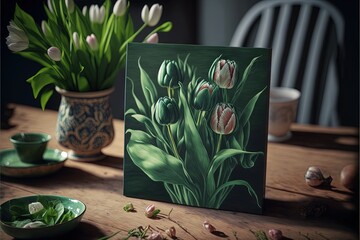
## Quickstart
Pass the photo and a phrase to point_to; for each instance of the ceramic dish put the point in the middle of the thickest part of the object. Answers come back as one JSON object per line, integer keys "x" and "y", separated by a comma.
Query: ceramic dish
{"x": 11, "y": 165}
{"x": 48, "y": 232}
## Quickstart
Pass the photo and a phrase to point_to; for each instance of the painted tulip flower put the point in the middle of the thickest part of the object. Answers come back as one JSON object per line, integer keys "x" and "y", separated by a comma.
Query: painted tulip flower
{"x": 169, "y": 74}
{"x": 119, "y": 8}
{"x": 151, "y": 17}
{"x": 54, "y": 53}
{"x": 151, "y": 211}
{"x": 166, "y": 111}
{"x": 223, "y": 119}
{"x": 204, "y": 93}
{"x": 224, "y": 73}
{"x": 17, "y": 40}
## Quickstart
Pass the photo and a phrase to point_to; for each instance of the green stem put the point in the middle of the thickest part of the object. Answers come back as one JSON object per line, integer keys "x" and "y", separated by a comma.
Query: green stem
{"x": 169, "y": 92}
{"x": 218, "y": 144}
{"x": 173, "y": 142}
{"x": 130, "y": 39}
{"x": 199, "y": 118}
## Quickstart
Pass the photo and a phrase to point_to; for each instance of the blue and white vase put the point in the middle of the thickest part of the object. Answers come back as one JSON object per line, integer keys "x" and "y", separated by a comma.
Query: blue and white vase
{"x": 85, "y": 123}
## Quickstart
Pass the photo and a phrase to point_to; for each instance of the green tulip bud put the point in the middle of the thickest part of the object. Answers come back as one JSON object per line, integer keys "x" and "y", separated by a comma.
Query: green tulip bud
{"x": 204, "y": 95}
{"x": 169, "y": 74}
{"x": 166, "y": 111}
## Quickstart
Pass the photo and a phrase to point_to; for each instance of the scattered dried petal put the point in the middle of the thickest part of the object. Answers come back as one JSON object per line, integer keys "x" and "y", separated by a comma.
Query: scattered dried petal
{"x": 155, "y": 236}
{"x": 171, "y": 232}
{"x": 275, "y": 234}
{"x": 209, "y": 227}
{"x": 151, "y": 211}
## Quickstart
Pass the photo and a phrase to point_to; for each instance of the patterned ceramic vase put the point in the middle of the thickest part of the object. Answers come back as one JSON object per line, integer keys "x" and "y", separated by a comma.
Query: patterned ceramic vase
{"x": 85, "y": 124}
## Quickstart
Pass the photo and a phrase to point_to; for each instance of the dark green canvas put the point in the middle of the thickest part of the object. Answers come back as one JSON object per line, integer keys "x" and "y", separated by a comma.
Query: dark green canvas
{"x": 196, "y": 125}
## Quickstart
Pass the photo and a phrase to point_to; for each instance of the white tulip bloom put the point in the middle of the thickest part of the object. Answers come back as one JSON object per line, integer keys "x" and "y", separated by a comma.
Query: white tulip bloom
{"x": 120, "y": 8}
{"x": 17, "y": 40}
{"x": 154, "y": 38}
{"x": 54, "y": 53}
{"x": 50, "y": 6}
{"x": 92, "y": 41}
{"x": 76, "y": 40}
{"x": 35, "y": 207}
{"x": 84, "y": 10}
{"x": 70, "y": 5}
{"x": 96, "y": 14}
{"x": 43, "y": 26}
{"x": 151, "y": 17}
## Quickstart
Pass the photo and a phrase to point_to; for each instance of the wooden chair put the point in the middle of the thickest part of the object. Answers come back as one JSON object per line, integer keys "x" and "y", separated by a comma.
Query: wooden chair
{"x": 306, "y": 37}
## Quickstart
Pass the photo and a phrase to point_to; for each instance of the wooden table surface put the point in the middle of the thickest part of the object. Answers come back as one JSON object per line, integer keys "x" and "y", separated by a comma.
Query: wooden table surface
{"x": 99, "y": 185}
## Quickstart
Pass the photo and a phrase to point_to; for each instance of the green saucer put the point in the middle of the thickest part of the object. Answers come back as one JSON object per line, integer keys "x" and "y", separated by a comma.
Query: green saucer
{"x": 12, "y": 166}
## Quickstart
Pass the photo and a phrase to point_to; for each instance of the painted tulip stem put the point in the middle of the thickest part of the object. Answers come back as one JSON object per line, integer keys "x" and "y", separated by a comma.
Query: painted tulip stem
{"x": 201, "y": 115}
{"x": 173, "y": 142}
{"x": 169, "y": 92}
{"x": 218, "y": 144}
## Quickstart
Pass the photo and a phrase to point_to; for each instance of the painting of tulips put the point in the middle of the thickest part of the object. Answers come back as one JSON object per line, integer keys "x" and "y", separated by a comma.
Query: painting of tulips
{"x": 196, "y": 125}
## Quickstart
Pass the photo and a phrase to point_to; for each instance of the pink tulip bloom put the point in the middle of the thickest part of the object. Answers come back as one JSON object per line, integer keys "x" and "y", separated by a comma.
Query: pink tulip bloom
{"x": 223, "y": 119}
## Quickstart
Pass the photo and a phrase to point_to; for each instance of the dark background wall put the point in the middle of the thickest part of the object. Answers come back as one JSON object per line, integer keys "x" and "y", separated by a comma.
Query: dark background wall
{"x": 205, "y": 22}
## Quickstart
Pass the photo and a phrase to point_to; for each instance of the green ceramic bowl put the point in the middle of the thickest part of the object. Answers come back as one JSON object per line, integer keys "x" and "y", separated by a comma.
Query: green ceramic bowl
{"x": 76, "y": 206}
{"x": 30, "y": 147}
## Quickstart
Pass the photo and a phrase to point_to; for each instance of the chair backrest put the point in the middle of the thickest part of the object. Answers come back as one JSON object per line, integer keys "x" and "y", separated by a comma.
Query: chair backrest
{"x": 306, "y": 37}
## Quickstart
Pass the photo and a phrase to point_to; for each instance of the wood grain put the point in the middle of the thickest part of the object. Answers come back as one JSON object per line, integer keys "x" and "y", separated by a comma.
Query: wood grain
{"x": 99, "y": 185}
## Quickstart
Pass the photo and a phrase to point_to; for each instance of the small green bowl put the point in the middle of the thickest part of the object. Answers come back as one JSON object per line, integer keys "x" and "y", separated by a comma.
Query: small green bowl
{"x": 76, "y": 206}
{"x": 30, "y": 147}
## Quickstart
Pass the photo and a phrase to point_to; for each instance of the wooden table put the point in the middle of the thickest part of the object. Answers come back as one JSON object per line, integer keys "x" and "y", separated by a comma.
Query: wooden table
{"x": 99, "y": 185}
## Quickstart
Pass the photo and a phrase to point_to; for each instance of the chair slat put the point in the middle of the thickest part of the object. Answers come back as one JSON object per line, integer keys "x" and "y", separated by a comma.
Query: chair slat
{"x": 297, "y": 47}
{"x": 279, "y": 42}
{"x": 312, "y": 63}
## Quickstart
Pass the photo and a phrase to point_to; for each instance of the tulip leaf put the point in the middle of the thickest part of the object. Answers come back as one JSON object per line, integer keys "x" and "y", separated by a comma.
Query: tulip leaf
{"x": 148, "y": 87}
{"x": 36, "y": 57}
{"x": 226, "y": 154}
{"x": 196, "y": 156}
{"x": 248, "y": 110}
{"x": 45, "y": 96}
{"x": 42, "y": 78}
{"x": 155, "y": 163}
{"x": 152, "y": 129}
{"x": 244, "y": 79}
{"x": 138, "y": 103}
{"x": 232, "y": 184}
{"x": 165, "y": 27}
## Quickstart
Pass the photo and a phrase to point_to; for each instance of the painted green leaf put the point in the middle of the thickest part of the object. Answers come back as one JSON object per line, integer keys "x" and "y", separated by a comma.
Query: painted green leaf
{"x": 196, "y": 157}
{"x": 232, "y": 184}
{"x": 155, "y": 163}
{"x": 248, "y": 110}
{"x": 136, "y": 99}
{"x": 147, "y": 86}
{"x": 225, "y": 154}
{"x": 245, "y": 77}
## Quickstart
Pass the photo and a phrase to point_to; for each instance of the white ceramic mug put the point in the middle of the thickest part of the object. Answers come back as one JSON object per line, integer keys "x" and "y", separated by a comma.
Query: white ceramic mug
{"x": 282, "y": 112}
